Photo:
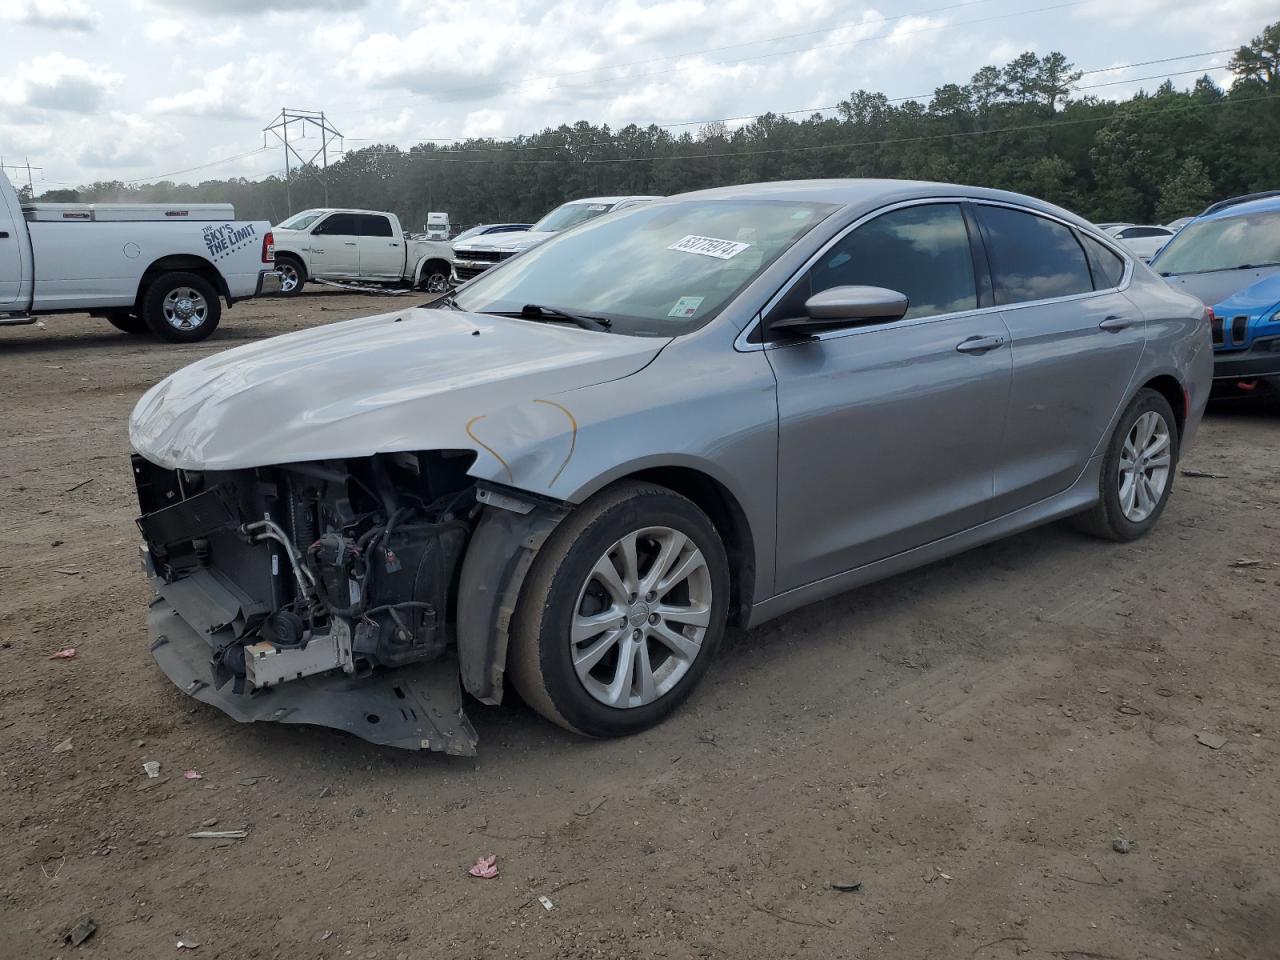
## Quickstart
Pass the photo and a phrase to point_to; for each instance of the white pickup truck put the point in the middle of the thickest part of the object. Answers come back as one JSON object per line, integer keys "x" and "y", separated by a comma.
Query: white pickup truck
{"x": 360, "y": 246}
{"x": 152, "y": 268}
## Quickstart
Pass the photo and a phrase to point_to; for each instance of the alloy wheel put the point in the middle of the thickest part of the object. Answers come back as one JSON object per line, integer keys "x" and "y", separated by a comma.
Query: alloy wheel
{"x": 1145, "y": 461}
{"x": 185, "y": 308}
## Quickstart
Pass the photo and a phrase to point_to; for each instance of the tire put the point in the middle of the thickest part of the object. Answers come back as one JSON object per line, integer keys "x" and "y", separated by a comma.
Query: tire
{"x": 181, "y": 307}
{"x": 1117, "y": 515}
{"x": 435, "y": 277}
{"x": 601, "y": 701}
{"x": 128, "y": 322}
{"x": 293, "y": 275}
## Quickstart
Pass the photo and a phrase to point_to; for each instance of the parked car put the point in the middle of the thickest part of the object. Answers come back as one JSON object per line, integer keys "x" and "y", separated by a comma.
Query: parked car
{"x": 484, "y": 229}
{"x": 706, "y": 410}
{"x": 1109, "y": 226}
{"x": 365, "y": 246}
{"x": 1176, "y": 225}
{"x": 1229, "y": 257}
{"x": 474, "y": 256}
{"x": 156, "y": 268}
{"x": 1144, "y": 241}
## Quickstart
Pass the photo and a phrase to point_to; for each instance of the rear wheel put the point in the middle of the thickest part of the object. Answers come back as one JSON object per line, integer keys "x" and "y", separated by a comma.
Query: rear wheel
{"x": 292, "y": 276}
{"x": 181, "y": 307}
{"x": 1137, "y": 471}
{"x": 128, "y": 322}
{"x": 622, "y": 613}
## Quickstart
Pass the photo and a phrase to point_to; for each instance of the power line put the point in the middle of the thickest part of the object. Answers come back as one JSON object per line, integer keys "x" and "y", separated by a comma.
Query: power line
{"x": 203, "y": 166}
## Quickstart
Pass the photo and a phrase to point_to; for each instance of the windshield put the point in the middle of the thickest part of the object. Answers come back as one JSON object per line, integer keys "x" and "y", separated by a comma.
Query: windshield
{"x": 303, "y": 220}
{"x": 570, "y": 215}
{"x": 658, "y": 270}
{"x": 1250, "y": 239}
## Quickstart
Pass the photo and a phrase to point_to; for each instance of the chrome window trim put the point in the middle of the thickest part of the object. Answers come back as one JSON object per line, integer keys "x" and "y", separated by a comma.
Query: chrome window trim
{"x": 743, "y": 345}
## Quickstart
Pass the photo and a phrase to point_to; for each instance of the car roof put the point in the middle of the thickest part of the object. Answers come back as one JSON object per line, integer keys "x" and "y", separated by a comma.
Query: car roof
{"x": 1261, "y": 205}
{"x": 873, "y": 193}
{"x": 612, "y": 200}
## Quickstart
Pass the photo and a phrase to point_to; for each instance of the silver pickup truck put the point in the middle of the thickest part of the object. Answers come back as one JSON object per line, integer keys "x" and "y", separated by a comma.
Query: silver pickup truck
{"x": 163, "y": 269}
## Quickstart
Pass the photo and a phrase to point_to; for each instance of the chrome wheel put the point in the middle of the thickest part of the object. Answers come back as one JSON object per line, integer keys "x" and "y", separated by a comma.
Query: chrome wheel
{"x": 185, "y": 308}
{"x": 288, "y": 276}
{"x": 641, "y": 617}
{"x": 1145, "y": 460}
{"x": 437, "y": 283}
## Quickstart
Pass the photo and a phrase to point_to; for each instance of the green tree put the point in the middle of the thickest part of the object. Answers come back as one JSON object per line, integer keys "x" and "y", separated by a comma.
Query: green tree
{"x": 1186, "y": 192}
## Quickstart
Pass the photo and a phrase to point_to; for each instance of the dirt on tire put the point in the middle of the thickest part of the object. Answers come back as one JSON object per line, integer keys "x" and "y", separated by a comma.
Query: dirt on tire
{"x": 936, "y": 766}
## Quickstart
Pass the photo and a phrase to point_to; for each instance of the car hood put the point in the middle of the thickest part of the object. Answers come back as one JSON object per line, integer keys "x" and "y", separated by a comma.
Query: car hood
{"x": 1254, "y": 300}
{"x": 1216, "y": 285}
{"x": 418, "y": 379}
{"x": 517, "y": 240}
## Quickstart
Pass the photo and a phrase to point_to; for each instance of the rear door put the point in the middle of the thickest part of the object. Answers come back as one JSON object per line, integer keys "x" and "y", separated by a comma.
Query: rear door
{"x": 888, "y": 433}
{"x": 1076, "y": 344}
{"x": 381, "y": 251}
{"x": 335, "y": 247}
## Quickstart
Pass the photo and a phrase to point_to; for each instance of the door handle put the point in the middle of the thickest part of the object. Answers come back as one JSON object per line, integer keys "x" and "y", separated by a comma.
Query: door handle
{"x": 393, "y": 244}
{"x": 980, "y": 344}
{"x": 4, "y": 234}
{"x": 349, "y": 243}
{"x": 1116, "y": 323}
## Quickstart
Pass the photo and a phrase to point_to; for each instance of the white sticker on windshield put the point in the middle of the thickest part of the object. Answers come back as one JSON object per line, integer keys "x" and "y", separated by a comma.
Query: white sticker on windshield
{"x": 686, "y": 307}
{"x": 598, "y": 207}
{"x": 709, "y": 247}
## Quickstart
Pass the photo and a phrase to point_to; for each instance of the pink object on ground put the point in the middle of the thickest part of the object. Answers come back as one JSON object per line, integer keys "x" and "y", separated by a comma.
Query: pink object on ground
{"x": 486, "y": 867}
{"x": 66, "y": 654}
{"x": 192, "y": 775}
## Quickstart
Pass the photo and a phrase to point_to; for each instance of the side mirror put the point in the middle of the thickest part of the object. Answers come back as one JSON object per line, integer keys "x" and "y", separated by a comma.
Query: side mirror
{"x": 841, "y": 307}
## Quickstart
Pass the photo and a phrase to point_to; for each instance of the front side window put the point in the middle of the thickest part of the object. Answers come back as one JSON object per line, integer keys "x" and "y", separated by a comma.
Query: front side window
{"x": 658, "y": 269}
{"x": 1229, "y": 243}
{"x": 922, "y": 252}
{"x": 1032, "y": 257}
{"x": 337, "y": 225}
{"x": 373, "y": 226}
{"x": 302, "y": 220}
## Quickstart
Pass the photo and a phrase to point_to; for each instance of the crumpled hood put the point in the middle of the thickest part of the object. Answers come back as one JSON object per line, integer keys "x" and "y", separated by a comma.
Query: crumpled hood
{"x": 1256, "y": 299}
{"x": 1217, "y": 285}
{"x": 515, "y": 240}
{"x": 418, "y": 379}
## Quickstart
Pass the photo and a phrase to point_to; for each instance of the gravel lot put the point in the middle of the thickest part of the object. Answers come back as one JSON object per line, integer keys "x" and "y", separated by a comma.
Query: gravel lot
{"x": 965, "y": 741}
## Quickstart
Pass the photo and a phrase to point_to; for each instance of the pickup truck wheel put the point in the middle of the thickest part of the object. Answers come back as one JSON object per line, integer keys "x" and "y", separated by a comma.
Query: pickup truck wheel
{"x": 292, "y": 276}
{"x": 435, "y": 277}
{"x": 128, "y": 322}
{"x": 622, "y": 612}
{"x": 181, "y": 307}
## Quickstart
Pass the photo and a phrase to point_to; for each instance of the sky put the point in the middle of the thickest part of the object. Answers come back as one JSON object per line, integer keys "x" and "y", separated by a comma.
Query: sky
{"x": 139, "y": 90}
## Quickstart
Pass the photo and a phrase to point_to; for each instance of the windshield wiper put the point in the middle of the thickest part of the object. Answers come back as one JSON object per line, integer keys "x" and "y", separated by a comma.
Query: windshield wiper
{"x": 535, "y": 311}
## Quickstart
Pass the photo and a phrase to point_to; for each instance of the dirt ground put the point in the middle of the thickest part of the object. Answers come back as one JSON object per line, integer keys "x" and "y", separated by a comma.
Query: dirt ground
{"x": 965, "y": 741}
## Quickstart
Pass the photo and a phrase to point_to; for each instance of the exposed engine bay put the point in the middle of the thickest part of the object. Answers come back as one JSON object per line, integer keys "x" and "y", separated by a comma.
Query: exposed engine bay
{"x": 306, "y": 582}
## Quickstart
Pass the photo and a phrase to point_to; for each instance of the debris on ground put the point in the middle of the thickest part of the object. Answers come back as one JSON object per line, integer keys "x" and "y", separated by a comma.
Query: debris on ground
{"x": 66, "y": 571}
{"x": 1204, "y": 474}
{"x": 65, "y": 654}
{"x": 77, "y": 486}
{"x": 192, "y": 775}
{"x": 187, "y": 943}
{"x": 486, "y": 868}
{"x": 81, "y": 932}
{"x": 218, "y": 835}
{"x": 1129, "y": 710}
{"x": 588, "y": 807}
{"x": 1246, "y": 562}
{"x": 63, "y": 747}
{"x": 846, "y": 886}
{"x": 1121, "y": 845}
{"x": 1213, "y": 741}
{"x": 546, "y": 903}
{"x": 152, "y": 767}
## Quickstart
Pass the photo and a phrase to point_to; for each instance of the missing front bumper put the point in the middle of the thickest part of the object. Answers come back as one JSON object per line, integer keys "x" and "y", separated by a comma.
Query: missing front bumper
{"x": 416, "y": 707}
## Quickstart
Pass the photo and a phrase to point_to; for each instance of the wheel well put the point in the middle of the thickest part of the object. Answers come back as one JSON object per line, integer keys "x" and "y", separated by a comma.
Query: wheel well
{"x": 1169, "y": 388}
{"x": 426, "y": 265}
{"x": 290, "y": 255}
{"x": 188, "y": 263}
{"x": 730, "y": 521}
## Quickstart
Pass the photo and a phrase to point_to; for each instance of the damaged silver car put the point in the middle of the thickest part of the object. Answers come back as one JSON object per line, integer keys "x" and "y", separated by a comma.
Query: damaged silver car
{"x": 706, "y": 410}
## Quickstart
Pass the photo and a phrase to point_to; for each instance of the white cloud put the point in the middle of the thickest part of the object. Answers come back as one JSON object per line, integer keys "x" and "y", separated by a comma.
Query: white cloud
{"x": 241, "y": 90}
{"x": 58, "y": 82}
{"x": 74, "y": 15}
{"x": 255, "y": 7}
{"x": 484, "y": 123}
{"x": 166, "y": 30}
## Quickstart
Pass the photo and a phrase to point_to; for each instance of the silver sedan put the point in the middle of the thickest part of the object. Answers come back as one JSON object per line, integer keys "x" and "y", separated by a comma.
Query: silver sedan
{"x": 587, "y": 463}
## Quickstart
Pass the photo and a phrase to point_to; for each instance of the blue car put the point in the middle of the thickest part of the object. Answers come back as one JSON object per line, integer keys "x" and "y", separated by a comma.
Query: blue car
{"x": 1229, "y": 257}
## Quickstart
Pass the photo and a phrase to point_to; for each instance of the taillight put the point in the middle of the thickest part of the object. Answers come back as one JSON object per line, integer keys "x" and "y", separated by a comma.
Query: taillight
{"x": 1208, "y": 312}
{"x": 268, "y": 248}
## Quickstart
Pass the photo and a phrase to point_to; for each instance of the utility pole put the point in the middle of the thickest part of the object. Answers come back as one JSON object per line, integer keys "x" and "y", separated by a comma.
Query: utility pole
{"x": 279, "y": 127}
{"x": 18, "y": 167}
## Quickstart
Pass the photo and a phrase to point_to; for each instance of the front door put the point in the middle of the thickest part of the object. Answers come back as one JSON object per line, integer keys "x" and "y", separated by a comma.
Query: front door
{"x": 335, "y": 247}
{"x": 381, "y": 251}
{"x": 12, "y": 235}
{"x": 1076, "y": 344}
{"x": 888, "y": 433}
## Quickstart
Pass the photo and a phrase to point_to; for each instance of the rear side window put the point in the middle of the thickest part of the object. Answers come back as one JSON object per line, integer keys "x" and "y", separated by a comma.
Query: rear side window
{"x": 920, "y": 251}
{"x": 1107, "y": 267}
{"x": 373, "y": 226}
{"x": 337, "y": 225}
{"x": 1138, "y": 233}
{"x": 1032, "y": 257}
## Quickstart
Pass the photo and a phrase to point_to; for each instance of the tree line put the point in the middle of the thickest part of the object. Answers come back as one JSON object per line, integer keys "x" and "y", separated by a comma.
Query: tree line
{"x": 1023, "y": 126}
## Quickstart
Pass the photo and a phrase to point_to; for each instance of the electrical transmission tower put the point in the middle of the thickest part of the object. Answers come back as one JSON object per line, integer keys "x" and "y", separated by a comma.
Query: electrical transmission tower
{"x": 306, "y": 119}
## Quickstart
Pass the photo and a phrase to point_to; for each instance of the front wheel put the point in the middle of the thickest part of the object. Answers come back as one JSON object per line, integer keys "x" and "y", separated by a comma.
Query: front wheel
{"x": 435, "y": 277}
{"x": 1137, "y": 471}
{"x": 181, "y": 307}
{"x": 622, "y": 613}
